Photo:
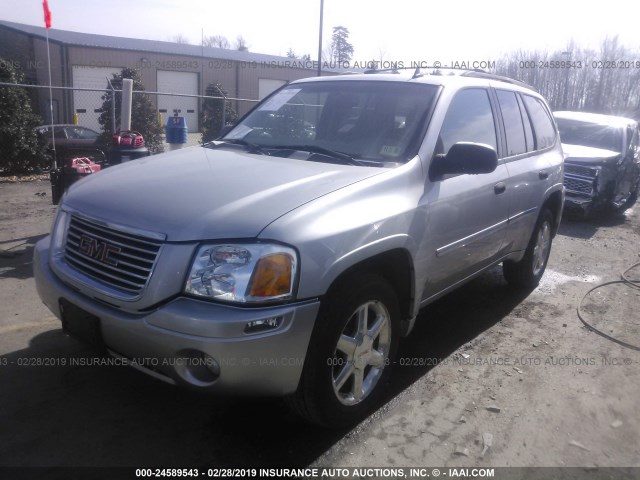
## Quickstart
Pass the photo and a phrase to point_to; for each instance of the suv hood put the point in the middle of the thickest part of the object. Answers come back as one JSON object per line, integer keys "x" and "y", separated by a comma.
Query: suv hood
{"x": 590, "y": 156}
{"x": 199, "y": 193}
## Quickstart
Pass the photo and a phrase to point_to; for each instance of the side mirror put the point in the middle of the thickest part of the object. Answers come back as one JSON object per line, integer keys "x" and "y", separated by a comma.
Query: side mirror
{"x": 464, "y": 158}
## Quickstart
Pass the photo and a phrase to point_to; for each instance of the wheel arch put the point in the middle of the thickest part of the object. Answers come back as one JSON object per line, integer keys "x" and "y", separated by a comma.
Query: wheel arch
{"x": 395, "y": 266}
{"x": 555, "y": 203}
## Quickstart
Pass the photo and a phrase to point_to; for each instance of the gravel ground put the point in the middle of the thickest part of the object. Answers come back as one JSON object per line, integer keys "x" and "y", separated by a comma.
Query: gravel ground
{"x": 488, "y": 378}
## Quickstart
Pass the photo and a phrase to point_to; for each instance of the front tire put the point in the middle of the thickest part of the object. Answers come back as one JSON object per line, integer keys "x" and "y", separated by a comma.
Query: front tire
{"x": 350, "y": 353}
{"x": 526, "y": 273}
{"x": 633, "y": 197}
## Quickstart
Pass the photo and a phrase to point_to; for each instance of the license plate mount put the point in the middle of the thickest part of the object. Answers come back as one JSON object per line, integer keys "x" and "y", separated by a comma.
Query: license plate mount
{"x": 81, "y": 325}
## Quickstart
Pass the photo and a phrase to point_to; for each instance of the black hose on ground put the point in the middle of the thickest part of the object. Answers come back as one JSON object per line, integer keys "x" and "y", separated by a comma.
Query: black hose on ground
{"x": 625, "y": 281}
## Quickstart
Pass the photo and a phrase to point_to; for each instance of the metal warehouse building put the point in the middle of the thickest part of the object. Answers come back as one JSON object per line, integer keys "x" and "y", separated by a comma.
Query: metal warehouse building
{"x": 82, "y": 60}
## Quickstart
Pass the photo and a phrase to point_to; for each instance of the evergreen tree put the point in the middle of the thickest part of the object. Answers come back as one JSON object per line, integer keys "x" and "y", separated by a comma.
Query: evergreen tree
{"x": 340, "y": 46}
{"x": 144, "y": 117}
{"x": 20, "y": 150}
{"x": 212, "y": 112}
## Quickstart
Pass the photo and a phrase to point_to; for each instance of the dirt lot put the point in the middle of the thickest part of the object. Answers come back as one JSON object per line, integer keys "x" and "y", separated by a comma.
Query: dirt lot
{"x": 488, "y": 378}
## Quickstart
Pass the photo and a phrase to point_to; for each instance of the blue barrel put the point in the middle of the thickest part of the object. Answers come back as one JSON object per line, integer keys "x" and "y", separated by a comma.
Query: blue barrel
{"x": 176, "y": 130}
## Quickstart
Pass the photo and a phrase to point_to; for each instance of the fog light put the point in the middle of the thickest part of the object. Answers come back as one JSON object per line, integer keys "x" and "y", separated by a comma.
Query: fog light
{"x": 262, "y": 325}
{"x": 197, "y": 368}
{"x": 211, "y": 364}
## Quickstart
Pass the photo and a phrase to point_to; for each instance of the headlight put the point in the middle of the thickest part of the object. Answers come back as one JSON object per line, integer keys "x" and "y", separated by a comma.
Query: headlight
{"x": 243, "y": 273}
{"x": 59, "y": 234}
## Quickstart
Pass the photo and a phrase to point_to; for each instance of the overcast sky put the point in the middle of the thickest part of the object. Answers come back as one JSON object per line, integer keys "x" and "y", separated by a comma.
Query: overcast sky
{"x": 394, "y": 29}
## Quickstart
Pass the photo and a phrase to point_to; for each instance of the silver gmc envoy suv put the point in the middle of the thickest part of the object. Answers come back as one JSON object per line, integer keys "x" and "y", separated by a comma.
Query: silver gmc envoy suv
{"x": 289, "y": 257}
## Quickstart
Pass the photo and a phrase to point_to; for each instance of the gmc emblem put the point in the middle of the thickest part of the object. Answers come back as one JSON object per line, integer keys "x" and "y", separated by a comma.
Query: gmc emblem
{"x": 100, "y": 251}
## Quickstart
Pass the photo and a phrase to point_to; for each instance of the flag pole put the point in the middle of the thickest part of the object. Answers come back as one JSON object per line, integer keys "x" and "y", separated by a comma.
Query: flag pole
{"x": 47, "y": 25}
{"x": 53, "y": 138}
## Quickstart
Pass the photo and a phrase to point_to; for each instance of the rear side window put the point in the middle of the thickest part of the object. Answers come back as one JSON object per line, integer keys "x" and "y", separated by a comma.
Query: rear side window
{"x": 469, "y": 119}
{"x": 513, "y": 125}
{"x": 544, "y": 131}
{"x": 528, "y": 131}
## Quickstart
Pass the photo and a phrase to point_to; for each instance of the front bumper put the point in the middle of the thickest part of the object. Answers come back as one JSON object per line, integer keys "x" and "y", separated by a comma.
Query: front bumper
{"x": 578, "y": 203}
{"x": 581, "y": 188}
{"x": 176, "y": 341}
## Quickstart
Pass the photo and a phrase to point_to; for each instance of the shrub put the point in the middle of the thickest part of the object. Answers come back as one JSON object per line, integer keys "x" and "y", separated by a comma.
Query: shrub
{"x": 144, "y": 118}
{"x": 20, "y": 150}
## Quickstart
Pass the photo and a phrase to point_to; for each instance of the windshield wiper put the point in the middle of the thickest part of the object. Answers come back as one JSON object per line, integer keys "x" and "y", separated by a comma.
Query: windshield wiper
{"x": 251, "y": 147}
{"x": 346, "y": 158}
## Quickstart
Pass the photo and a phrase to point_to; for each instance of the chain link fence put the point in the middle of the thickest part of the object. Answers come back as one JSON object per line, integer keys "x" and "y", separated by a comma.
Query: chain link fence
{"x": 84, "y": 121}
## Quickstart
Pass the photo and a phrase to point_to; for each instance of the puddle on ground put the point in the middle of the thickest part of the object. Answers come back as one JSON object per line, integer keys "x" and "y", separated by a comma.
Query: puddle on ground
{"x": 552, "y": 279}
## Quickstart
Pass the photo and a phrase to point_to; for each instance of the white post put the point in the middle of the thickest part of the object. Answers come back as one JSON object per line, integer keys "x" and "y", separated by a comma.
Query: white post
{"x": 54, "y": 162}
{"x": 125, "y": 108}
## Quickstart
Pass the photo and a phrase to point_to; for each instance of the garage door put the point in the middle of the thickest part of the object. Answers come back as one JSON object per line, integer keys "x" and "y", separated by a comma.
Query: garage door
{"x": 179, "y": 82}
{"x": 268, "y": 85}
{"x": 86, "y": 103}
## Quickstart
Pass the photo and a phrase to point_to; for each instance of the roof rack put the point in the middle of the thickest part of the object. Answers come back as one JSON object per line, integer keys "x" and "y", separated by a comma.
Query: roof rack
{"x": 464, "y": 72}
{"x": 417, "y": 70}
{"x": 493, "y": 76}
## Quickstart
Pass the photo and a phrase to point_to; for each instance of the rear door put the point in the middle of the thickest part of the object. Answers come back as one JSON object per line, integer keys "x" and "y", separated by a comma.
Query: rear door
{"x": 530, "y": 137}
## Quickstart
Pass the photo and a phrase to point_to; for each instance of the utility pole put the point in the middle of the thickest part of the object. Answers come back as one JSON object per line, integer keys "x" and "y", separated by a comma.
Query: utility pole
{"x": 320, "y": 39}
{"x": 566, "y": 82}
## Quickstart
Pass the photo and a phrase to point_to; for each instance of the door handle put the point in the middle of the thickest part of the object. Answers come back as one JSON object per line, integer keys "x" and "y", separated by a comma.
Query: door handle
{"x": 499, "y": 188}
{"x": 543, "y": 175}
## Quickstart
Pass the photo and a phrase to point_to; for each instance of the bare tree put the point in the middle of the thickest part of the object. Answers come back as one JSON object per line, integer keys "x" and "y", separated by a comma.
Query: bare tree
{"x": 180, "y": 38}
{"x": 291, "y": 53}
{"x": 581, "y": 79}
{"x": 216, "y": 41}
{"x": 241, "y": 44}
{"x": 327, "y": 53}
{"x": 381, "y": 54}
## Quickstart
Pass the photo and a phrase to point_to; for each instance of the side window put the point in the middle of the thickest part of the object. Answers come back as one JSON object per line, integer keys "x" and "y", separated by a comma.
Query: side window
{"x": 58, "y": 132}
{"x": 528, "y": 132}
{"x": 545, "y": 132}
{"x": 86, "y": 134}
{"x": 512, "y": 122}
{"x": 469, "y": 119}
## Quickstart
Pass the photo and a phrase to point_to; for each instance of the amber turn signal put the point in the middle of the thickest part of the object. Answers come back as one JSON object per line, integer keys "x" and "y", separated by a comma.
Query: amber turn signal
{"x": 272, "y": 277}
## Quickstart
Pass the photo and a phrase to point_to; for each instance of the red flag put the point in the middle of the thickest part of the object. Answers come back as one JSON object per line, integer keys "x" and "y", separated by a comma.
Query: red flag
{"x": 47, "y": 13}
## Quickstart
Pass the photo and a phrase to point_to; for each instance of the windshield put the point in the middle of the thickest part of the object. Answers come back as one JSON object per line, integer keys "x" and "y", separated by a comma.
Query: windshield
{"x": 590, "y": 134}
{"x": 374, "y": 121}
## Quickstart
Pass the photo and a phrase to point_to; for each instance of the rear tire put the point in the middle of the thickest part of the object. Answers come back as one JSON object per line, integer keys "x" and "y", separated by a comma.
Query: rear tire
{"x": 526, "y": 273}
{"x": 350, "y": 354}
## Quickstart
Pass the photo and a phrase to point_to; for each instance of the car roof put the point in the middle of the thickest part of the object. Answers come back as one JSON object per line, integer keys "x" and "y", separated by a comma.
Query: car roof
{"x": 61, "y": 125}
{"x": 430, "y": 76}
{"x": 596, "y": 118}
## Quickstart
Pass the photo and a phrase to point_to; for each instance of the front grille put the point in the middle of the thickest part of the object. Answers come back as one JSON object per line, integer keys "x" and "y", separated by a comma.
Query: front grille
{"x": 115, "y": 258}
{"x": 580, "y": 170}
{"x": 579, "y": 185}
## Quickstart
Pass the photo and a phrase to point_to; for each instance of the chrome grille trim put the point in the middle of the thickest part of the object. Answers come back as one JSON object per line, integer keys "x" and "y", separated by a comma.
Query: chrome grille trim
{"x": 134, "y": 259}
{"x": 589, "y": 172}
{"x": 583, "y": 186}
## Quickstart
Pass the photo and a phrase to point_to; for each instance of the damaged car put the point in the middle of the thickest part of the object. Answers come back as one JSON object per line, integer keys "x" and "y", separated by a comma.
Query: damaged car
{"x": 602, "y": 161}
